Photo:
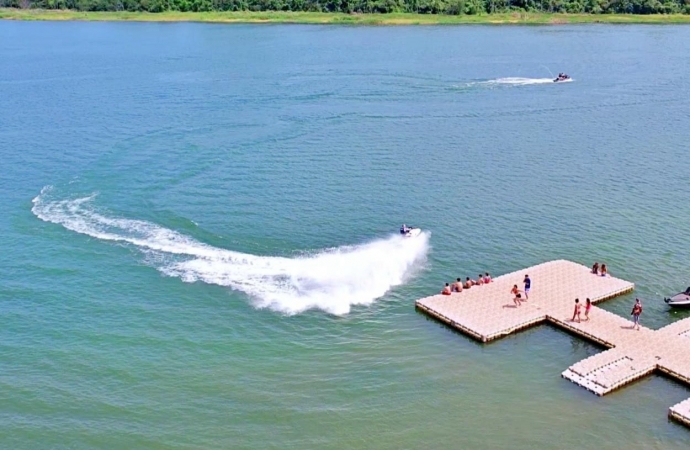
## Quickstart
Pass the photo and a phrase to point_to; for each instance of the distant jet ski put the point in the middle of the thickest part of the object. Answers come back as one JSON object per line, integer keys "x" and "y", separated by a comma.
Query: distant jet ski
{"x": 562, "y": 77}
{"x": 682, "y": 299}
{"x": 406, "y": 231}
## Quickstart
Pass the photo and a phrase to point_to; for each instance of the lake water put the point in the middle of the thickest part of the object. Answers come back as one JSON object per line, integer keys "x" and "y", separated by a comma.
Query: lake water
{"x": 198, "y": 230}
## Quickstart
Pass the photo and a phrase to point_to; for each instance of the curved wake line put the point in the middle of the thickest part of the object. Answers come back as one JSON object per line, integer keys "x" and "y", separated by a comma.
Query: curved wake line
{"x": 331, "y": 280}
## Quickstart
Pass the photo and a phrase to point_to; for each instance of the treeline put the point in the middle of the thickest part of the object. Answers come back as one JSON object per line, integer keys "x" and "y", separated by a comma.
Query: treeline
{"x": 455, "y": 7}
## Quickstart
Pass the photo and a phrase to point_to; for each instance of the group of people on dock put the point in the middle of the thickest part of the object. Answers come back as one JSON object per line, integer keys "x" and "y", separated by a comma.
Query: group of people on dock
{"x": 635, "y": 313}
{"x": 578, "y": 309}
{"x": 599, "y": 270}
{"x": 459, "y": 286}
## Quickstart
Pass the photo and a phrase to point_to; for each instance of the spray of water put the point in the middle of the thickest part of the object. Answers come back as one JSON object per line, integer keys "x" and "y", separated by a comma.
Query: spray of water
{"x": 331, "y": 280}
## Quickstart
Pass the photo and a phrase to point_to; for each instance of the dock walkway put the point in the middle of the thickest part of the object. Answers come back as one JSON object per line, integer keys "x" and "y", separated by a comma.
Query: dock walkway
{"x": 487, "y": 312}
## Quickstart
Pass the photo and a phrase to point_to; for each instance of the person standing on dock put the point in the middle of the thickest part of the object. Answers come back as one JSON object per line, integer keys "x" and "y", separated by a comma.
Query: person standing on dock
{"x": 528, "y": 285}
{"x": 636, "y": 312}
{"x": 576, "y": 313}
{"x": 588, "y": 306}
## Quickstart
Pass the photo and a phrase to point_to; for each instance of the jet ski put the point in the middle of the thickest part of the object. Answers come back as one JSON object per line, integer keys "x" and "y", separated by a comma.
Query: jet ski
{"x": 410, "y": 232}
{"x": 680, "y": 300}
{"x": 561, "y": 77}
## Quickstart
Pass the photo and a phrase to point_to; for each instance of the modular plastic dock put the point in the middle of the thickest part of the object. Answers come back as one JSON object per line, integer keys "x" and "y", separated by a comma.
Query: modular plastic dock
{"x": 487, "y": 312}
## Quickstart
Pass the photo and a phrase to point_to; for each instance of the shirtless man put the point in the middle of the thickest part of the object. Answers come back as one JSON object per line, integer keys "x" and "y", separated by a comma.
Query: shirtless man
{"x": 457, "y": 286}
{"x": 468, "y": 283}
{"x": 517, "y": 297}
{"x": 576, "y": 312}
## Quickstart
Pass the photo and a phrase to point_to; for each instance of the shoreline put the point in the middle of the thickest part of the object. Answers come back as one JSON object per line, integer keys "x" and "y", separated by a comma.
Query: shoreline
{"x": 341, "y": 18}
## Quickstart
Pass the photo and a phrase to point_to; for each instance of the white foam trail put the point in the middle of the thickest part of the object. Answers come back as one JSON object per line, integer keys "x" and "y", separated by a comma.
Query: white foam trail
{"x": 332, "y": 280}
{"x": 517, "y": 81}
{"x": 511, "y": 81}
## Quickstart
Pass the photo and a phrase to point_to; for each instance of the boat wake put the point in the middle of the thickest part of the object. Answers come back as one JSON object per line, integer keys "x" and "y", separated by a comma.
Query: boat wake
{"x": 505, "y": 83}
{"x": 331, "y": 279}
{"x": 517, "y": 81}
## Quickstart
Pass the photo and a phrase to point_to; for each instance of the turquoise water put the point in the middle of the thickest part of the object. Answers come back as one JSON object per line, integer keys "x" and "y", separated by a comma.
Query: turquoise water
{"x": 199, "y": 223}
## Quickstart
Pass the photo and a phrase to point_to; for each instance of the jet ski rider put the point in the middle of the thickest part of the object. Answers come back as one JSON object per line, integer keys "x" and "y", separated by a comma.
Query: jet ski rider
{"x": 404, "y": 229}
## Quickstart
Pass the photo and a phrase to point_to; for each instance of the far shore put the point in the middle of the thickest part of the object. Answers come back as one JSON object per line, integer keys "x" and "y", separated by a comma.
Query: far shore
{"x": 340, "y": 18}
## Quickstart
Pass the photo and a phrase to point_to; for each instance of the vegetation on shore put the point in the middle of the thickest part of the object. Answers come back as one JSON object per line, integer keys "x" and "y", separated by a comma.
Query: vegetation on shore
{"x": 528, "y": 18}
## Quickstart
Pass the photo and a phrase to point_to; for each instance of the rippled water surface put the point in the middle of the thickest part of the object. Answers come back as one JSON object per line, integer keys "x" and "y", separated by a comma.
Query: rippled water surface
{"x": 198, "y": 230}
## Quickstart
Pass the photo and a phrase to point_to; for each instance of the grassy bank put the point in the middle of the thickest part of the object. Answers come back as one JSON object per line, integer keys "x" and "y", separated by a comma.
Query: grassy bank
{"x": 339, "y": 18}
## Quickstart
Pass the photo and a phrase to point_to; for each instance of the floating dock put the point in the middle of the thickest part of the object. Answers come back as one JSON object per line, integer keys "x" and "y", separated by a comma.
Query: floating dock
{"x": 487, "y": 312}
